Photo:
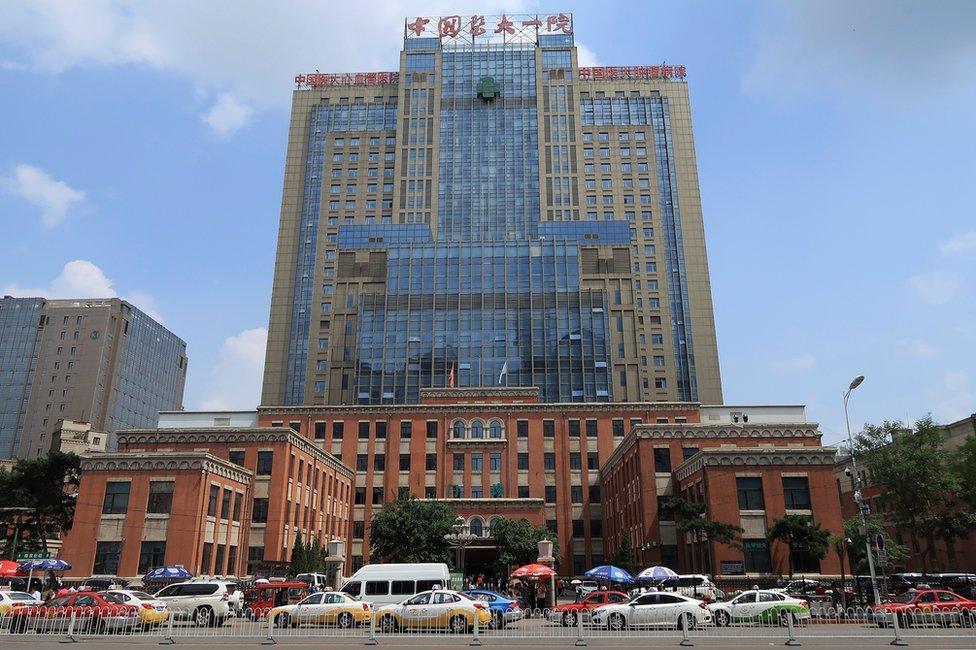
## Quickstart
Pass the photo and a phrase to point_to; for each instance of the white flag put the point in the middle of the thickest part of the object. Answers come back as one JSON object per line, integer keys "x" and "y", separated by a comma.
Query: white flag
{"x": 501, "y": 375}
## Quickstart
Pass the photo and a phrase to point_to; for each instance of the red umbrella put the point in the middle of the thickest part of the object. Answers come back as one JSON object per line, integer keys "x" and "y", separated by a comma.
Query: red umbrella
{"x": 8, "y": 568}
{"x": 534, "y": 571}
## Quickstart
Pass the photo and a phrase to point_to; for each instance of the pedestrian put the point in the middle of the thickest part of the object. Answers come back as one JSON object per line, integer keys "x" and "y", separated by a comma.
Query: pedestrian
{"x": 579, "y": 592}
{"x": 36, "y": 595}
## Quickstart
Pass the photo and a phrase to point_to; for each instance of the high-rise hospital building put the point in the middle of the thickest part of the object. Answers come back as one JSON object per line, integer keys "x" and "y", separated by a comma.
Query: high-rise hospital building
{"x": 491, "y": 215}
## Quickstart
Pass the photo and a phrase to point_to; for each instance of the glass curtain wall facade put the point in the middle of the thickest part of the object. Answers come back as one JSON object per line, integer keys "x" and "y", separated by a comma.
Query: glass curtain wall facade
{"x": 19, "y": 339}
{"x": 503, "y": 220}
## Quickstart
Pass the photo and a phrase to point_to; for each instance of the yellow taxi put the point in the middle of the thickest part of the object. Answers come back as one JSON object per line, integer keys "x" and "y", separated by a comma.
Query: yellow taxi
{"x": 152, "y": 611}
{"x": 440, "y": 609}
{"x": 325, "y": 608}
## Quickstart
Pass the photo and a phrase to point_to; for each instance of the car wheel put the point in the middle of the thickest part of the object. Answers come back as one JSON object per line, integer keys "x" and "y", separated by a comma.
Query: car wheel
{"x": 722, "y": 618}
{"x": 388, "y": 624}
{"x": 569, "y": 619}
{"x": 202, "y": 616}
{"x": 345, "y": 620}
{"x": 19, "y": 625}
{"x": 283, "y": 620}
{"x": 498, "y": 620}
{"x": 904, "y": 621}
{"x": 616, "y": 622}
{"x": 692, "y": 621}
{"x": 458, "y": 625}
{"x": 784, "y": 618}
{"x": 98, "y": 627}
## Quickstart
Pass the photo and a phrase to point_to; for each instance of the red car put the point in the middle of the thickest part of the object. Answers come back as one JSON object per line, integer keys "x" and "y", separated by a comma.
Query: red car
{"x": 93, "y": 613}
{"x": 567, "y": 613}
{"x": 927, "y": 606}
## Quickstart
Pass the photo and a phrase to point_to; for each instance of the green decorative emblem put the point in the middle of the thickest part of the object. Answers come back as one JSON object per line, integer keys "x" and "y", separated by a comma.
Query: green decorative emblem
{"x": 488, "y": 88}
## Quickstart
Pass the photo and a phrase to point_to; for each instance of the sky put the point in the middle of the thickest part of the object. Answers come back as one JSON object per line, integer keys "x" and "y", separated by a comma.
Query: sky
{"x": 142, "y": 148}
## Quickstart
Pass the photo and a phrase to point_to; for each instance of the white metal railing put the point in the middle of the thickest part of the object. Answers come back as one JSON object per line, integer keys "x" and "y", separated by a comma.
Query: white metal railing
{"x": 572, "y": 627}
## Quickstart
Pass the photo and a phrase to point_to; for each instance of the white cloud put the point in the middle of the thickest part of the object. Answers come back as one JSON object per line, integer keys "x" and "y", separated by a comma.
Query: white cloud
{"x": 922, "y": 349}
{"x": 235, "y": 380}
{"x": 935, "y": 287}
{"x": 799, "y": 363}
{"x": 248, "y": 48}
{"x": 958, "y": 397}
{"x": 586, "y": 58}
{"x": 54, "y": 198}
{"x": 84, "y": 279}
{"x": 228, "y": 115}
{"x": 962, "y": 243}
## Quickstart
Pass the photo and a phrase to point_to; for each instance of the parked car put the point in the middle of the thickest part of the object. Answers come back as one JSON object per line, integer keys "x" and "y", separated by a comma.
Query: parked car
{"x": 763, "y": 606}
{"x": 587, "y": 587}
{"x": 693, "y": 585}
{"x": 963, "y": 584}
{"x": 440, "y": 609}
{"x": 324, "y": 608}
{"x": 319, "y": 580}
{"x": 925, "y": 606}
{"x": 503, "y": 610}
{"x": 152, "y": 611}
{"x": 91, "y": 611}
{"x": 207, "y": 603}
{"x": 101, "y": 583}
{"x": 388, "y": 584}
{"x": 567, "y": 613}
{"x": 805, "y": 586}
{"x": 261, "y": 598}
{"x": 654, "y": 609}
{"x": 11, "y": 599}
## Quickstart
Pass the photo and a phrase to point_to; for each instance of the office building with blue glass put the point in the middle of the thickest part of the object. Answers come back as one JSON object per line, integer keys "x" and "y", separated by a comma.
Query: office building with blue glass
{"x": 491, "y": 215}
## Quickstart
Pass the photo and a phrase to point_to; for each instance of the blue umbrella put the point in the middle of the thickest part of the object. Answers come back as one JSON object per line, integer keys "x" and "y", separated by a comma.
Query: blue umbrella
{"x": 655, "y": 573}
{"x": 607, "y": 572}
{"x": 48, "y": 564}
{"x": 167, "y": 573}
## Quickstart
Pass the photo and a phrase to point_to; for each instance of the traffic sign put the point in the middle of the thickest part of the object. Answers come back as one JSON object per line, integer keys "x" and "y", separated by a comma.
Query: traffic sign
{"x": 882, "y": 558}
{"x": 879, "y": 541}
{"x": 33, "y": 555}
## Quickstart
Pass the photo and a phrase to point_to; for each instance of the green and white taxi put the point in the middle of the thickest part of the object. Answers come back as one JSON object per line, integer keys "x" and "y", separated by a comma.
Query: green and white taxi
{"x": 760, "y": 606}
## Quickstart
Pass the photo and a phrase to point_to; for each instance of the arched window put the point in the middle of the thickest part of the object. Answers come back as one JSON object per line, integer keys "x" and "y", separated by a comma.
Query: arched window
{"x": 476, "y": 527}
{"x": 458, "y": 429}
{"x": 477, "y": 429}
{"x": 495, "y": 429}
{"x": 491, "y": 525}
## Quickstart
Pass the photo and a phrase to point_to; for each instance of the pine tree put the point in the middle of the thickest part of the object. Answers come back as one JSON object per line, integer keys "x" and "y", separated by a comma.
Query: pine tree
{"x": 314, "y": 563}
{"x": 298, "y": 556}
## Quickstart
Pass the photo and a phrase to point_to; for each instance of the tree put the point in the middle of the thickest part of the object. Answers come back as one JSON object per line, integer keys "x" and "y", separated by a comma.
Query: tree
{"x": 518, "y": 540}
{"x": 856, "y": 551}
{"x": 964, "y": 467}
{"x": 624, "y": 557}
{"x": 801, "y": 535}
{"x": 839, "y": 544}
{"x": 298, "y": 556}
{"x": 915, "y": 473}
{"x": 314, "y": 563}
{"x": 692, "y": 520}
{"x": 410, "y": 530}
{"x": 37, "y": 500}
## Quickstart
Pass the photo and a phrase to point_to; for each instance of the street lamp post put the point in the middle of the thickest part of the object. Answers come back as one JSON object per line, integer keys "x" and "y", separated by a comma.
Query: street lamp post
{"x": 862, "y": 506}
{"x": 459, "y": 539}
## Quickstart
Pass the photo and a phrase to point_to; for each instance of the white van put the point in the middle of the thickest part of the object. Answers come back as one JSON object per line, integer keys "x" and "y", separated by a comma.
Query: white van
{"x": 387, "y": 584}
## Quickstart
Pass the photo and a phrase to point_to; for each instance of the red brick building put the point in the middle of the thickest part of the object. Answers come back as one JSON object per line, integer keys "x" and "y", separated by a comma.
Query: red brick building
{"x": 238, "y": 497}
{"x": 746, "y": 474}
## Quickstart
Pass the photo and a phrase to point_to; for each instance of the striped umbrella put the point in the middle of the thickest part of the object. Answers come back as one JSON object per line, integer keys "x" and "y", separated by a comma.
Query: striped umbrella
{"x": 533, "y": 571}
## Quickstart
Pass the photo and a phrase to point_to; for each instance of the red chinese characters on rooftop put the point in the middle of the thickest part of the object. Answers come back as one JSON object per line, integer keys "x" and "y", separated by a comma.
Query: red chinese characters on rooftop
{"x": 471, "y": 27}
{"x": 663, "y": 71}
{"x": 321, "y": 79}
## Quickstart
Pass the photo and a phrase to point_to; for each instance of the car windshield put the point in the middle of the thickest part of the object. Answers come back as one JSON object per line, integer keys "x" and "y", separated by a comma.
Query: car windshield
{"x": 113, "y": 598}
{"x": 141, "y": 595}
{"x": 19, "y": 595}
{"x": 906, "y": 597}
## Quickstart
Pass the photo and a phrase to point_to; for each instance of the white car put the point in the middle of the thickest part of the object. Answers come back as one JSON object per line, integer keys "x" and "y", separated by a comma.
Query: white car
{"x": 205, "y": 603}
{"x": 587, "y": 587}
{"x": 326, "y": 608}
{"x": 654, "y": 609}
{"x": 440, "y": 609}
{"x": 11, "y": 599}
{"x": 152, "y": 611}
{"x": 694, "y": 585}
{"x": 762, "y": 606}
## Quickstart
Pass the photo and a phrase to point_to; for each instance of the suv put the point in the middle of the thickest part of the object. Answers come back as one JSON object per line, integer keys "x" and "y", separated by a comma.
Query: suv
{"x": 206, "y": 603}
{"x": 694, "y": 586}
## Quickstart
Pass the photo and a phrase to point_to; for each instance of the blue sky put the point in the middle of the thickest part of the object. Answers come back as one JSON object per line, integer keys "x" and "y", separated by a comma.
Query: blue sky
{"x": 142, "y": 146}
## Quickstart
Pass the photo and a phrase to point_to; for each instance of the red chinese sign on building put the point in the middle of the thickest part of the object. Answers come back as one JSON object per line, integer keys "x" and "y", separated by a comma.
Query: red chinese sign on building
{"x": 504, "y": 27}
{"x": 321, "y": 79}
{"x": 662, "y": 71}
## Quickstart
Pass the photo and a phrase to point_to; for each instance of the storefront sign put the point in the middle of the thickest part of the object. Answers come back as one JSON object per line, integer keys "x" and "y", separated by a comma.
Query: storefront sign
{"x": 732, "y": 568}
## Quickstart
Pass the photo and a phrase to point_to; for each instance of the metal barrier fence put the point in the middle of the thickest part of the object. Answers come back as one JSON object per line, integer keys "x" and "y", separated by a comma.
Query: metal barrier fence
{"x": 370, "y": 626}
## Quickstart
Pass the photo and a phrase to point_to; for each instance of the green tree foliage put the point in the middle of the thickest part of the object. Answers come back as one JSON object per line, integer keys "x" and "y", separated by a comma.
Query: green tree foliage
{"x": 801, "y": 535}
{"x": 410, "y": 530}
{"x": 856, "y": 551}
{"x": 299, "y": 558}
{"x": 964, "y": 467}
{"x": 624, "y": 557}
{"x": 518, "y": 540}
{"x": 43, "y": 492}
{"x": 919, "y": 481}
{"x": 692, "y": 520}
